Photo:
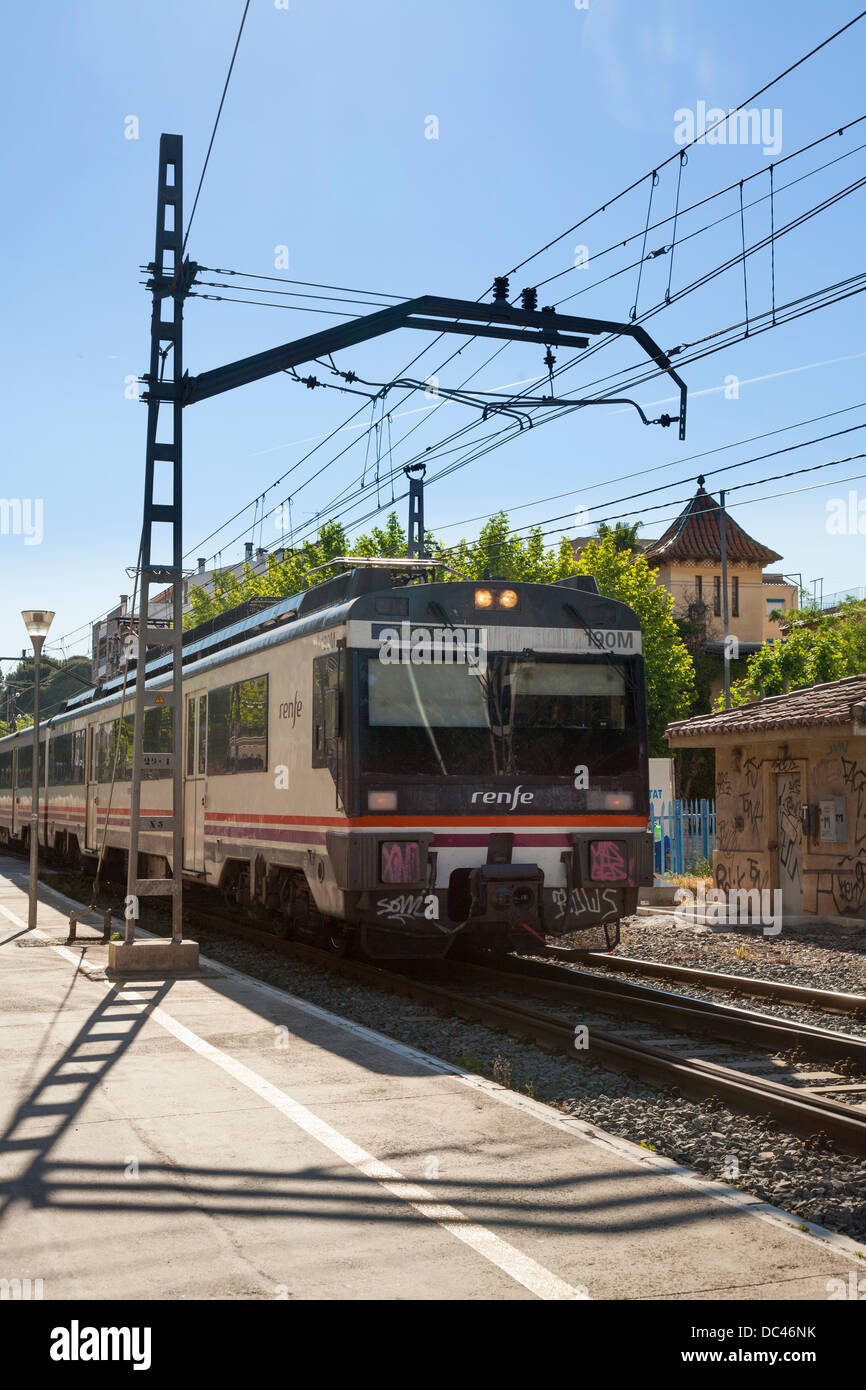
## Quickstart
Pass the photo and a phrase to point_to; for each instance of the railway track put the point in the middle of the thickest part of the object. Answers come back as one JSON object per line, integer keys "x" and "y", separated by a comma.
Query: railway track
{"x": 803, "y": 1101}
{"x": 832, "y": 1001}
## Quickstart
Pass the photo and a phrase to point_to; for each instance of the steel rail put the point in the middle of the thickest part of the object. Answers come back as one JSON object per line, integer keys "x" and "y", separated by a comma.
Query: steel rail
{"x": 812, "y": 1116}
{"x": 680, "y": 1011}
{"x": 833, "y": 1001}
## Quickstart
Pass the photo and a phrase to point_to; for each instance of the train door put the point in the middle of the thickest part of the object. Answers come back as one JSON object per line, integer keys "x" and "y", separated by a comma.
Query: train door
{"x": 195, "y": 782}
{"x": 91, "y": 791}
{"x": 18, "y": 807}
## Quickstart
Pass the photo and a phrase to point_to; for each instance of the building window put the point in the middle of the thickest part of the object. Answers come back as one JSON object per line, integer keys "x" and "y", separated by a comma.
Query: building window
{"x": 717, "y": 596}
{"x": 699, "y": 588}
{"x": 735, "y": 597}
{"x": 774, "y": 604}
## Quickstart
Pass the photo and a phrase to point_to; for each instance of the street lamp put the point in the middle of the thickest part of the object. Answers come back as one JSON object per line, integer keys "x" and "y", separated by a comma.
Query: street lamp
{"x": 37, "y": 623}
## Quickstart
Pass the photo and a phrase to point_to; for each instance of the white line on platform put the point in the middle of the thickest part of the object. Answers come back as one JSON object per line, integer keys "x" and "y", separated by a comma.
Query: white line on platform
{"x": 513, "y": 1262}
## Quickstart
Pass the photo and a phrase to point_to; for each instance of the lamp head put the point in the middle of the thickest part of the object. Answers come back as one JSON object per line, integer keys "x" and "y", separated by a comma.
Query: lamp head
{"x": 37, "y": 622}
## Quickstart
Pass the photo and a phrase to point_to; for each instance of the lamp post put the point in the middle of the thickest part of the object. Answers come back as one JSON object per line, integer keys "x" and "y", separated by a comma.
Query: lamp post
{"x": 37, "y": 624}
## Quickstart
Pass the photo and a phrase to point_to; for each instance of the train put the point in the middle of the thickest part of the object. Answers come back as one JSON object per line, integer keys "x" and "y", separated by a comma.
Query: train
{"x": 392, "y": 762}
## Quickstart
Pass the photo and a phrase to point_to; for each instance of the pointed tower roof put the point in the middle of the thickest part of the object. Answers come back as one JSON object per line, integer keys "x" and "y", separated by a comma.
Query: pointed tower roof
{"x": 696, "y": 535}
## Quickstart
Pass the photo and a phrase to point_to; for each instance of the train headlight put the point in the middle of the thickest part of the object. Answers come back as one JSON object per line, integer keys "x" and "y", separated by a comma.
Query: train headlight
{"x": 483, "y": 598}
{"x": 507, "y": 598}
{"x": 381, "y": 801}
{"x": 609, "y": 801}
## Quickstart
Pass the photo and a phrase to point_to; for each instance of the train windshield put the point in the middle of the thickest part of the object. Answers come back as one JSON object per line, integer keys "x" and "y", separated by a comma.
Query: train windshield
{"x": 517, "y": 715}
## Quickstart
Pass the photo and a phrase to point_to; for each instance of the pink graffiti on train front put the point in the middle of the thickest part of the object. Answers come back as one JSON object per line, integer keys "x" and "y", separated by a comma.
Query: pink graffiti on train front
{"x": 607, "y": 862}
{"x": 401, "y": 861}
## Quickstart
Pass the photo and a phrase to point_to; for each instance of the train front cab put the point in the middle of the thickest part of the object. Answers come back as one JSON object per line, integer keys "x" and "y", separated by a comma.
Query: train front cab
{"x": 495, "y": 806}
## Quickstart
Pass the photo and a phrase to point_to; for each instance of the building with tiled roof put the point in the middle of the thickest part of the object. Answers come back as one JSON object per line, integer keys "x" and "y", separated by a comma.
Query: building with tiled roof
{"x": 688, "y": 561}
{"x": 790, "y": 797}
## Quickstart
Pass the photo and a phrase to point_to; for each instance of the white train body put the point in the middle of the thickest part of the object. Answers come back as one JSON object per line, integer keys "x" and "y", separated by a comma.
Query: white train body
{"x": 380, "y": 759}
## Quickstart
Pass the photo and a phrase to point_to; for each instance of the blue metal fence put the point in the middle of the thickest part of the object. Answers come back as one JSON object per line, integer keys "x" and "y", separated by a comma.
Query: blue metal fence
{"x": 683, "y": 833}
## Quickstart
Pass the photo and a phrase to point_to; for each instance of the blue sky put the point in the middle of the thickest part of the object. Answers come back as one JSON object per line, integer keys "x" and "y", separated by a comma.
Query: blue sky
{"x": 544, "y": 112}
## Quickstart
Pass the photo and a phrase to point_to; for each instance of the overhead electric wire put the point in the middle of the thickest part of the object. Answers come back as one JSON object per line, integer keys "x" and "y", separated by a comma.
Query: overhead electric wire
{"x": 702, "y": 280}
{"x": 213, "y": 136}
{"x": 791, "y": 68}
{"x": 711, "y": 197}
{"x": 677, "y": 154}
{"x": 478, "y": 549}
{"x": 314, "y": 284}
{"x": 609, "y": 202}
{"x": 485, "y": 446}
{"x": 672, "y": 463}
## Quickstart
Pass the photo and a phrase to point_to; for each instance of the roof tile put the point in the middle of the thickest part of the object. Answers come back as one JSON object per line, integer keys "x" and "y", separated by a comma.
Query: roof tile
{"x": 831, "y": 703}
{"x": 696, "y": 535}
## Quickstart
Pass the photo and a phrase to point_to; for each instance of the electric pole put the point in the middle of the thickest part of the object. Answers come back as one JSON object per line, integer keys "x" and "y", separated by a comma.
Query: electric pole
{"x": 169, "y": 285}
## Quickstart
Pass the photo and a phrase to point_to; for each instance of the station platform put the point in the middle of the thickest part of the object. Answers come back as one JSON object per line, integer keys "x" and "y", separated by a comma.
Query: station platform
{"x": 216, "y": 1138}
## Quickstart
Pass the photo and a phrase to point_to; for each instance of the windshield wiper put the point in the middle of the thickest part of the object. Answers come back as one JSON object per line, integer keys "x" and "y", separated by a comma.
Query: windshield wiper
{"x": 609, "y": 657}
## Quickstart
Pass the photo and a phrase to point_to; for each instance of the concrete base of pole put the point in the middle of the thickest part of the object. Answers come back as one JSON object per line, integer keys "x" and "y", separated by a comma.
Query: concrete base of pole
{"x": 150, "y": 958}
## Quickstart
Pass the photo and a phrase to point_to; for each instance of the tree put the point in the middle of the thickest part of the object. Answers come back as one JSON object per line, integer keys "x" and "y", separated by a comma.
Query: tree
{"x": 626, "y": 576}
{"x": 624, "y": 536}
{"x": 58, "y": 682}
{"x": 816, "y": 646}
{"x": 499, "y": 554}
{"x": 291, "y": 575}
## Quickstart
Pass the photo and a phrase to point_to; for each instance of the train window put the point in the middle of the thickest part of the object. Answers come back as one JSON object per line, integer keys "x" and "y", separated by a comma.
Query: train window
{"x": 236, "y": 728}
{"x": 202, "y": 734}
{"x": 158, "y": 725}
{"x": 113, "y": 763}
{"x": 67, "y": 758}
{"x": 61, "y": 760}
{"x": 79, "y": 740}
{"x": 327, "y": 707}
{"x": 546, "y": 694}
{"x": 517, "y": 716}
{"x": 190, "y": 735}
{"x": 6, "y": 769}
{"x": 24, "y": 773}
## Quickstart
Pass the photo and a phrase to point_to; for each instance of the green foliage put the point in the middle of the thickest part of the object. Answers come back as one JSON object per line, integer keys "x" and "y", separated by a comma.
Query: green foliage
{"x": 818, "y": 647}
{"x": 281, "y": 578}
{"x": 624, "y": 536}
{"x": 13, "y": 726}
{"x": 670, "y": 676}
{"x": 499, "y": 554}
{"x": 59, "y": 681}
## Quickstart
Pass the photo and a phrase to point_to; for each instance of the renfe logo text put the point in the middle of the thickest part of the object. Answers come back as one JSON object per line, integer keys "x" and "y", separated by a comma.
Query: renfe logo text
{"x": 511, "y": 800}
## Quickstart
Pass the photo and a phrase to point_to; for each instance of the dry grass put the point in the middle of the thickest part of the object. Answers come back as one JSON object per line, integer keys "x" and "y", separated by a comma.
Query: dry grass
{"x": 691, "y": 881}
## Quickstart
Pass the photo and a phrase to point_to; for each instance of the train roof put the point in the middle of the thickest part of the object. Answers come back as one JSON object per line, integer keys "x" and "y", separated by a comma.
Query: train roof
{"x": 259, "y": 625}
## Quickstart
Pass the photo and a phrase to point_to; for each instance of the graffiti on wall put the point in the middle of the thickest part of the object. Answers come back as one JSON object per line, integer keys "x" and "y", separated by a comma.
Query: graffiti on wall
{"x": 788, "y": 802}
{"x": 842, "y": 891}
{"x": 748, "y": 769}
{"x": 741, "y": 871}
{"x": 855, "y": 783}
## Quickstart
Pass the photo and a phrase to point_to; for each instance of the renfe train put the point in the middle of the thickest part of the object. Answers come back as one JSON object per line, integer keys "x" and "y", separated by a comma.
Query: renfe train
{"x": 411, "y": 766}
